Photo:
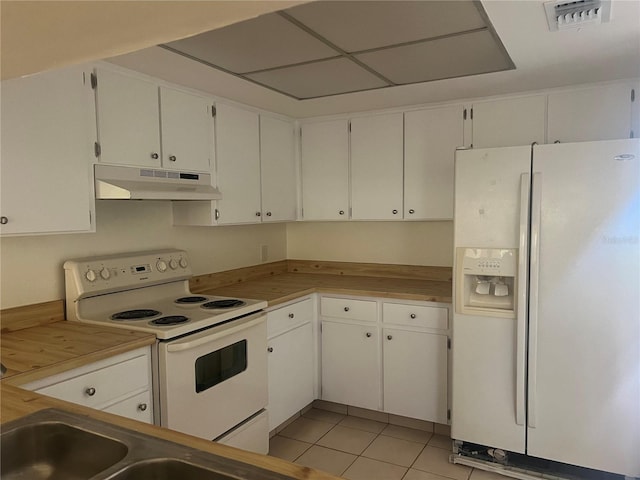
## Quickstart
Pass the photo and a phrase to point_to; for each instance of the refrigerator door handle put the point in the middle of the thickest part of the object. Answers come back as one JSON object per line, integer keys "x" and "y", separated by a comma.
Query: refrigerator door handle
{"x": 536, "y": 207}
{"x": 521, "y": 315}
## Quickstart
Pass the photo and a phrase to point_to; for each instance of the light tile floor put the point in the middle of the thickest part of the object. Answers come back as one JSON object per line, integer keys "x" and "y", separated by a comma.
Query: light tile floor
{"x": 361, "y": 449}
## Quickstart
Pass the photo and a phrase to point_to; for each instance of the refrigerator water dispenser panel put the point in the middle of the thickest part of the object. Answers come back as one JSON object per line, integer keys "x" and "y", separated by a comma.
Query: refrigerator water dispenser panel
{"x": 485, "y": 283}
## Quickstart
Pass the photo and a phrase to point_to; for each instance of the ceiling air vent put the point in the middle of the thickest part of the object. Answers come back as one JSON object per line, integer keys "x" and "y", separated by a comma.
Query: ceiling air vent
{"x": 565, "y": 15}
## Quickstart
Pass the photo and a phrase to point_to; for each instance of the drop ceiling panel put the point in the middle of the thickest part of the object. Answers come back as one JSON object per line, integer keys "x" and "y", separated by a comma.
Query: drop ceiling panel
{"x": 361, "y": 25}
{"x": 456, "y": 56}
{"x": 260, "y": 43}
{"x": 329, "y": 77}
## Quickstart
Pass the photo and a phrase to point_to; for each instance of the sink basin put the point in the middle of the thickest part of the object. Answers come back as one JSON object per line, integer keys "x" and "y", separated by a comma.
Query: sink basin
{"x": 55, "y": 450}
{"x": 168, "y": 469}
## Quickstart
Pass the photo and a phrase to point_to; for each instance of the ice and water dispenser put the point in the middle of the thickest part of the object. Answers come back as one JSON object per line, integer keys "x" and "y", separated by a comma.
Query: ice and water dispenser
{"x": 486, "y": 281}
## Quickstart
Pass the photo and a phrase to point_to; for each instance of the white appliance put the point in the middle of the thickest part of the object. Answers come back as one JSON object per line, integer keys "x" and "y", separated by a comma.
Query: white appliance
{"x": 546, "y": 330}
{"x": 210, "y": 359}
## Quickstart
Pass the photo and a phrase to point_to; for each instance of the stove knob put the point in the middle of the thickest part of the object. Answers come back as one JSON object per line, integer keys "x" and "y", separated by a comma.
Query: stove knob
{"x": 161, "y": 266}
{"x": 91, "y": 275}
{"x": 184, "y": 263}
{"x": 173, "y": 264}
{"x": 105, "y": 274}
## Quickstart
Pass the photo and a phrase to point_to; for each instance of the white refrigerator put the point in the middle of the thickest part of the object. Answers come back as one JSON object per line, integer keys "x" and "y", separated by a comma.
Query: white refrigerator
{"x": 546, "y": 328}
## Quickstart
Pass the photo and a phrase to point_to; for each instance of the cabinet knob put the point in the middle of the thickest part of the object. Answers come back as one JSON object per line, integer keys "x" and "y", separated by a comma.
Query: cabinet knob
{"x": 142, "y": 407}
{"x": 341, "y": 212}
{"x": 291, "y": 315}
{"x": 90, "y": 391}
{"x": 4, "y": 220}
{"x": 368, "y": 334}
{"x": 270, "y": 349}
{"x": 413, "y": 315}
{"x": 268, "y": 214}
{"x": 412, "y": 211}
{"x": 389, "y": 337}
{"x": 346, "y": 309}
{"x": 172, "y": 158}
{"x": 154, "y": 155}
{"x": 394, "y": 211}
{"x": 258, "y": 214}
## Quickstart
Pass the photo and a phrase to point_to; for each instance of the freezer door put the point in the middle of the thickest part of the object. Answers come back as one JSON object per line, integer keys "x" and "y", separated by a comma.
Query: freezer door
{"x": 584, "y": 329}
{"x": 491, "y": 211}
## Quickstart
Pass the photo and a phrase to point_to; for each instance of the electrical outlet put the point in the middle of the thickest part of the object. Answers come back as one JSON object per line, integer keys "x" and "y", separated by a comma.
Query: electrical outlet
{"x": 264, "y": 253}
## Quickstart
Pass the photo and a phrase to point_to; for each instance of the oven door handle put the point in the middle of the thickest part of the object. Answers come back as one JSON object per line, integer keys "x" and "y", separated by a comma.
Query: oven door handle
{"x": 214, "y": 334}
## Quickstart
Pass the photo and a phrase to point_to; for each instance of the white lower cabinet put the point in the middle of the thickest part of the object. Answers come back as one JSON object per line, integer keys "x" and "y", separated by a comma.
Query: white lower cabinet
{"x": 290, "y": 360}
{"x": 119, "y": 385}
{"x": 394, "y": 359}
{"x": 350, "y": 364}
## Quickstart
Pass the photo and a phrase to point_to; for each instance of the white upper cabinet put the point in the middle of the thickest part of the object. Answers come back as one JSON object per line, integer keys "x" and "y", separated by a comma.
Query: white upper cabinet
{"x": 128, "y": 120}
{"x": 509, "y": 122}
{"x": 48, "y": 130}
{"x": 238, "y": 165}
{"x": 596, "y": 113}
{"x": 278, "y": 170}
{"x": 376, "y": 167}
{"x": 142, "y": 124}
{"x": 187, "y": 130}
{"x": 325, "y": 170}
{"x": 430, "y": 140}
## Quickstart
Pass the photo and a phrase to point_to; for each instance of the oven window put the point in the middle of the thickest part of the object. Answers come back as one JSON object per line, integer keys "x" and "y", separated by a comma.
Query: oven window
{"x": 216, "y": 367}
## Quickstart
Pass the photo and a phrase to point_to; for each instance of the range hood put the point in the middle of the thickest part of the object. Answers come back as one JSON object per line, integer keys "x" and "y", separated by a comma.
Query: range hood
{"x": 137, "y": 183}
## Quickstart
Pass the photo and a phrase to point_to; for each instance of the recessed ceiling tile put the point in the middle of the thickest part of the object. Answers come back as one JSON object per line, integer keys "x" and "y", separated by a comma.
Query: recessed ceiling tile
{"x": 450, "y": 57}
{"x": 264, "y": 42}
{"x": 318, "y": 79}
{"x": 361, "y": 25}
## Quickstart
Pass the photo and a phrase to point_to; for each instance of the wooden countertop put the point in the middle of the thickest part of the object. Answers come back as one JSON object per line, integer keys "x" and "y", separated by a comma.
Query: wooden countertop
{"x": 17, "y": 403}
{"x": 283, "y": 287}
{"x": 44, "y": 350}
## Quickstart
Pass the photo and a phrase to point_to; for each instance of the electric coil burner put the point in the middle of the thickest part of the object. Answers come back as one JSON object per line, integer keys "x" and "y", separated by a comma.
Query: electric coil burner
{"x": 190, "y": 300}
{"x": 170, "y": 320}
{"x": 222, "y": 304}
{"x": 136, "y": 314}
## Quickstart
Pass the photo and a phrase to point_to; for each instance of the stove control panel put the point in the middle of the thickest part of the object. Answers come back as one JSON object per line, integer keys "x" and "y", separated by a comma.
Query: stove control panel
{"x": 112, "y": 273}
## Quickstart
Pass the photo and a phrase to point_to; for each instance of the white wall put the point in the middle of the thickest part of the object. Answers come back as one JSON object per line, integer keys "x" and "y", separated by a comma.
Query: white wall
{"x": 31, "y": 267}
{"x": 403, "y": 243}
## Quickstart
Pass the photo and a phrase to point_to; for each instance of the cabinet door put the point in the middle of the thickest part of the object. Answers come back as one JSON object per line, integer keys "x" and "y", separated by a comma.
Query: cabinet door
{"x": 48, "y": 130}
{"x": 350, "y": 365}
{"x": 325, "y": 170}
{"x": 187, "y": 130}
{"x": 290, "y": 364}
{"x": 430, "y": 141}
{"x": 415, "y": 374}
{"x": 128, "y": 120}
{"x": 278, "y": 170}
{"x": 238, "y": 165}
{"x": 509, "y": 122}
{"x": 376, "y": 167}
{"x": 599, "y": 113}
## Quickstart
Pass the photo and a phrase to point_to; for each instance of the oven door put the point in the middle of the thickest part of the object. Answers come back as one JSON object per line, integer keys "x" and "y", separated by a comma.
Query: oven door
{"x": 213, "y": 380}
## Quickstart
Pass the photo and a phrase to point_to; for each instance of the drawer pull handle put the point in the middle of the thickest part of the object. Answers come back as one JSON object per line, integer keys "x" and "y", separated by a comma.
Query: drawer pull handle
{"x": 412, "y": 211}
{"x": 389, "y": 337}
{"x": 368, "y": 334}
{"x": 155, "y": 156}
{"x": 291, "y": 315}
{"x": 341, "y": 212}
{"x": 346, "y": 309}
{"x": 413, "y": 315}
{"x": 270, "y": 349}
{"x": 90, "y": 391}
{"x": 142, "y": 407}
{"x": 394, "y": 211}
{"x": 172, "y": 158}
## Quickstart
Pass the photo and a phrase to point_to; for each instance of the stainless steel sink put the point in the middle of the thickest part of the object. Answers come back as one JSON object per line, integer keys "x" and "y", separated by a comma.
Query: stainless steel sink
{"x": 56, "y": 445}
{"x": 168, "y": 469}
{"x": 55, "y": 450}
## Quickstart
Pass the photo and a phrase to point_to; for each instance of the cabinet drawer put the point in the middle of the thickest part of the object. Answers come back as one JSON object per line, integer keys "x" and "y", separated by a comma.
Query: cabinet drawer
{"x": 348, "y": 308}
{"x": 137, "y": 407}
{"x": 415, "y": 315}
{"x": 96, "y": 388}
{"x": 285, "y": 318}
